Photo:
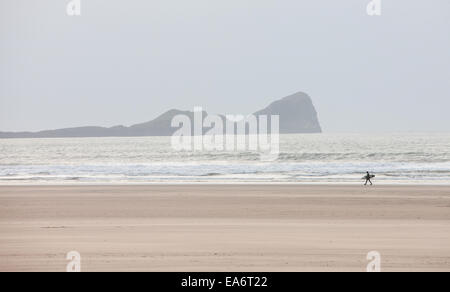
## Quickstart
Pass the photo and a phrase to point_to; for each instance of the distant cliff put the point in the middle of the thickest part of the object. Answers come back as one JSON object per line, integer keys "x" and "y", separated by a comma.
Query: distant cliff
{"x": 297, "y": 115}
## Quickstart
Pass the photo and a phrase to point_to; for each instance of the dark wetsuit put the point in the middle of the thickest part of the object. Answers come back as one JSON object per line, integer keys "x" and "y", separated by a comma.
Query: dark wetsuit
{"x": 368, "y": 177}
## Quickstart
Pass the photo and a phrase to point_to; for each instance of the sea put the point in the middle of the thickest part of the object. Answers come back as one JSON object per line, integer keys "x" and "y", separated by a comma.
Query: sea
{"x": 311, "y": 158}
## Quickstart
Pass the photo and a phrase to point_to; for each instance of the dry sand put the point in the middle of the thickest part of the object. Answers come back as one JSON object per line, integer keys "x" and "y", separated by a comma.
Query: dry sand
{"x": 225, "y": 227}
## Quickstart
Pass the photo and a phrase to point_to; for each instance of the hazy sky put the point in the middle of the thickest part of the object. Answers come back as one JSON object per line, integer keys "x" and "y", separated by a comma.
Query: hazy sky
{"x": 125, "y": 62}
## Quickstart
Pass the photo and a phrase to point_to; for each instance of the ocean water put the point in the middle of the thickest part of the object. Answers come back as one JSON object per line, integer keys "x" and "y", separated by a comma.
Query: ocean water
{"x": 321, "y": 158}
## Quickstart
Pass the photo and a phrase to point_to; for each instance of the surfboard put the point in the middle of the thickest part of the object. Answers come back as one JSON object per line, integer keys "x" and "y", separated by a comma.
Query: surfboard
{"x": 371, "y": 176}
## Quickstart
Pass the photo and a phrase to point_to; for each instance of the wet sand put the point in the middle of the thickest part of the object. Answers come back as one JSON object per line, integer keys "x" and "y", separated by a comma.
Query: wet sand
{"x": 225, "y": 227}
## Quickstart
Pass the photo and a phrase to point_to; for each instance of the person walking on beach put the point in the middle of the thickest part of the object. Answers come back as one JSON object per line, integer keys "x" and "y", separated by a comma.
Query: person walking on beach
{"x": 368, "y": 178}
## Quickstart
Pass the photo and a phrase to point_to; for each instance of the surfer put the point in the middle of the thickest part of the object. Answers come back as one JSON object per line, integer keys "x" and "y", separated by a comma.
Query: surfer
{"x": 368, "y": 177}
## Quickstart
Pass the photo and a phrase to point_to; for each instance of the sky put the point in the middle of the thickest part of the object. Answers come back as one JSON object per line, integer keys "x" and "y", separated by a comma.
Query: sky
{"x": 126, "y": 62}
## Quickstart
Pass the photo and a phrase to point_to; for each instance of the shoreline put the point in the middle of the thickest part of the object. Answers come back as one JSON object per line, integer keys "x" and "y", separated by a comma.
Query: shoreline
{"x": 242, "y": 183}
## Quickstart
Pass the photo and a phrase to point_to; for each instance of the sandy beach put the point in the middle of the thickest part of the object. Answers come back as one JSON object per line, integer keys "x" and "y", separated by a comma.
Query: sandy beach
{"x": 225, "y": 227}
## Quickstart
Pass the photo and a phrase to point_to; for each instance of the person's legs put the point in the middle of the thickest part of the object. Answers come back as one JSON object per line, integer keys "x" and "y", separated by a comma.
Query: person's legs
{"x": 370, "y": 182}
{"x": 366, "y": 182}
